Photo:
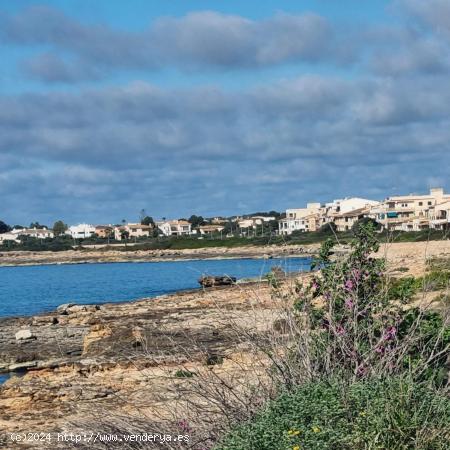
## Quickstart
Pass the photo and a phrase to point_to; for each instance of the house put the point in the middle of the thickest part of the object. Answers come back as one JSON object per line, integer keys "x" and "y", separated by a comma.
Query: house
{"x": 301, "y": 219}
{"x": 210, "y": 229}
{"x": 133, "y": 231}
{"x": 175, "y": 227}
{"x": 411, "y": 212}
{"x": 218, "y": 220}
{"x": 81, "y": 231}
{"x": 104, "y": 231}
{"x": 38, "y": 233}
{"x": 8, "y": 237}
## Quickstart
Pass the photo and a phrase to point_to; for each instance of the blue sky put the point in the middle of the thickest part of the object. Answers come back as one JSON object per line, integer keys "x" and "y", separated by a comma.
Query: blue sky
{"x": 221, "y": 107}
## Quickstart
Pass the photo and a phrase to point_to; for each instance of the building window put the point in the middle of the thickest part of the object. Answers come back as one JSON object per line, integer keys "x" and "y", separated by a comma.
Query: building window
{"x": 430, "y": 203}
{"x": 420, "y": 203}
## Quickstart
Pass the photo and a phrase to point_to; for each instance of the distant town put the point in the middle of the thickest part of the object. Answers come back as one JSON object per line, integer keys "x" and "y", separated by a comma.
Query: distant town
{"x": 398, "y": 213}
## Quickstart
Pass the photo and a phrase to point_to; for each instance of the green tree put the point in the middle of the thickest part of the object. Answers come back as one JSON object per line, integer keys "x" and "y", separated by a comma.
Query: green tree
{"x": 59, "y": 228}
{"x": 365, "y": 221}
{"x": 196, "y": 221}
{"x": 37, "y": 225}
{"x": 4, "y": 228}
{"x": 147, "y": 220}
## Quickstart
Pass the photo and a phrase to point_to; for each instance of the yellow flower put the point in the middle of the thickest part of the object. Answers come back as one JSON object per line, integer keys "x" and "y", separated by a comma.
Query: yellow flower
{"x": 296, "y": 447}
{"x": 362, "y": 414}
{"x": 316, "y": 429}
{"x": 293, "y": 432}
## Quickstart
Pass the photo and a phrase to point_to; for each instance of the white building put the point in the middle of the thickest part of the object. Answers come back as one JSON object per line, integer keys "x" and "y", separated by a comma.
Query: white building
{"x": 301, "y": 219}
{"x": 8, "y": 237}
{"x": 346, "y": 205}
{"x": 81, "y": 231}
{"x": 39, "y": 233}
{"x": 175, "y": 228}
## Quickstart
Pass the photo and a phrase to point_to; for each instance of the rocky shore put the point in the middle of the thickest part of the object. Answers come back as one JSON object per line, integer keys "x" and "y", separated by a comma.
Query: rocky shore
{"x": 83, "y": 359}
{"x": 83, "y": 362}
{"x": 84, "y": 256}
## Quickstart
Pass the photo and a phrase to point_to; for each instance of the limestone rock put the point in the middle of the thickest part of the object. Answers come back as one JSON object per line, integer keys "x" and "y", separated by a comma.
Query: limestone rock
{"x": 24, "y": 335}
{"x": 63, "y": 309}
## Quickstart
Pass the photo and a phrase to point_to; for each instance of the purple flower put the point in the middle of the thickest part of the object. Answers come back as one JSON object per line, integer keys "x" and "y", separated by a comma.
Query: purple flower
{"x": 356, "y": 274}
{"x": 390, "y": 333}
{"x": 379, "y": 350}
{"x": 340, "y": 330}
{"x": 348, "y": 285}
{"x": 361, "y": 370}
{"x": 315, "y": 284}
{"x": 349, "y": 303}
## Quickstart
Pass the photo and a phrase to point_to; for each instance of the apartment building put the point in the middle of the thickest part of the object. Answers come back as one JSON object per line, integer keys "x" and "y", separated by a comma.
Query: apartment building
{"x": 440, "y": 216}
{"x": 345, "y": 221}
{"x": 412, "y": 212}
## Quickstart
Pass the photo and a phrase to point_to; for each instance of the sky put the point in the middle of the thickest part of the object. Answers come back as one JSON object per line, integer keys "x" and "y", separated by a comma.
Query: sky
{"x": 218, "y": 107}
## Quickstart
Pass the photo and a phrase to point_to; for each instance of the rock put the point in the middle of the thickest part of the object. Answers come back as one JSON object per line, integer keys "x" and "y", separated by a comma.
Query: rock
{"x": 96, "y": 333}
{"x": 21, "y": 366}
{"x": 63, "y": 309}
{"x": 24, "y": 335}
{"x": 209, "y": 281}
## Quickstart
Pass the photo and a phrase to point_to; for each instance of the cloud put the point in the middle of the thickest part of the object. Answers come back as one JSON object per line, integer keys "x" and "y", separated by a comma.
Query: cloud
{"x": 433, "y": 14}
{"x": 100, "y": 154}
{"x": 199, "y": 40}
{"x": 377, "y": 126}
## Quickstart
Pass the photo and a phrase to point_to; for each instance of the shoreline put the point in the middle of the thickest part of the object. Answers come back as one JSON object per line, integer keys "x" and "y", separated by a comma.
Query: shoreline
{"x": 72, "y": 257}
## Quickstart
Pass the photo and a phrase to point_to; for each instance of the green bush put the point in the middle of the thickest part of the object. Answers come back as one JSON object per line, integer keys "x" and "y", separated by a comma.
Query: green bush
{"x": 374, "y": 414}
{"x": 403, "y": 289}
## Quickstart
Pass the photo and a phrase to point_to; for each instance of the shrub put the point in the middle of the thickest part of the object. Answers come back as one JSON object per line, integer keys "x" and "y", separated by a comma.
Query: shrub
{"x": 403, "y": 289}
{"x": 357, "y": 329}
{"x": 375, "y": 414}
{"x": 182, "y": 373}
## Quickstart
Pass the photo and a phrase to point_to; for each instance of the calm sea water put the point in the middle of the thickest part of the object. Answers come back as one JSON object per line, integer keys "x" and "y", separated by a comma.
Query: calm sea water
{"x": 35, "y": 289}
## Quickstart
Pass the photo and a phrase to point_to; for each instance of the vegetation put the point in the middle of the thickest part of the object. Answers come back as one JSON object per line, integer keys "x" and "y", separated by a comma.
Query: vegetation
{"x": 358, "y": 371}
{"x": 394, "y": 413}
{"x": 59, "y": 228}
{"x": 28, "y": 243}
{"x": 4, "y": 228}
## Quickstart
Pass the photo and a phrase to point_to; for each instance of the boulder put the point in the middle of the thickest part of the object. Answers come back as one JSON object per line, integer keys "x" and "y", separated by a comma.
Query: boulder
{"x": 63, "y": 309}
{"x": 24, "y": 335}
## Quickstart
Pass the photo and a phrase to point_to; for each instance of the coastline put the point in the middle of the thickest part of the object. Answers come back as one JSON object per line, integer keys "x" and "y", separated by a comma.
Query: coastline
{"x": 27, "y": 258}
{"x": 84, "y": 360}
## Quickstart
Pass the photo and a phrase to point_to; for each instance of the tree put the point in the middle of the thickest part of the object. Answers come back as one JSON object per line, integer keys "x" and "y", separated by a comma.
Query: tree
{"x": 196, "y": 221}
{"x": 147, "y": 220}
{"x": 59, "y": 228}
{"x": 366, "y": 221}
{"x": 4, "y": 228}
{"x": 328, "y": 228}
{"x": 37, "y": 225}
